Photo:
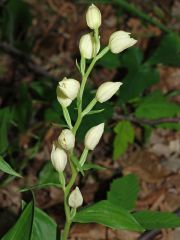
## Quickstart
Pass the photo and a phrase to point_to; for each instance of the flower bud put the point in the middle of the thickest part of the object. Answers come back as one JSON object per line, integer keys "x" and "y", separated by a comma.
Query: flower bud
{"x": 107, "y": 90}
{"x": 120, "y": 40}
{"x": 75, "y": 198}
{"x": 66, "y": 139}
{"x": 93, "y": 17}
{"x": 69, "y": 87}
{"x": 93, "y": 136}
{"x": 88, "y": 47}
{"x": 58, "y": 158}
{"x": 62, "y": 99}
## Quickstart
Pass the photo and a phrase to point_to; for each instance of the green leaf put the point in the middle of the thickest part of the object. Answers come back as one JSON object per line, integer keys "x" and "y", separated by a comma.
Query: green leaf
{"x": 124, "y": 191}
{"x": 43, "y": 227}
{"x": 136, "y": 82}
{"x": 156, "y": 106}
{"x": 54, "y": 113}
{"x": 132, "y": 59}
{"x": 22, "y": 230}
{"x": 43, "y": 90}
{"x": 110, "y": 61}
{"x": 48, "y": 175}
{"x": 95, "y": 111}
{"x": 175, "y": 126}
{"x": 40, "y": 186}
{"x": 124, "y": 135}
{"x": 108, "y": 214}
{"x": 168, "y": 51}
{"x": 157, "y": 220}
{"x": 5, "y": 167}
{"x": 5, "y": 116}
{"x": 88, "y": 166}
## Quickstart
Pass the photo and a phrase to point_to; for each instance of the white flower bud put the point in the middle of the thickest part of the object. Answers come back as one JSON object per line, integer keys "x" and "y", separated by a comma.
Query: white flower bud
{"x": 120, "y": 40}
{"x": 66, "y": 139}
{"x": 93, "y": 136}
{"x": 58, "y": 158}
{"x": 62, "y": 99}
{"x": 88, "y": 47}
{"x": 93, "y": 17}
{"x": 69, "y": 87}
{"x": 75, "y": 198}
{"x": 107, "y": 90}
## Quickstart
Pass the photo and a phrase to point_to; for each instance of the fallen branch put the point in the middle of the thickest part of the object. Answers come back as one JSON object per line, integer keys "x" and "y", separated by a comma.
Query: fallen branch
{"x": 151, "y": 122}
{"x": 26, "y": 60}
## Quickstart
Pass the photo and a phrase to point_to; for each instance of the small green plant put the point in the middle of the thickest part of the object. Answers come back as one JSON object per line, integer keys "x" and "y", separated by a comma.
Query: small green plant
{"x": 63, "y": 149}
{"x": 70, "y": 89}
{"x": 117, "y": 211}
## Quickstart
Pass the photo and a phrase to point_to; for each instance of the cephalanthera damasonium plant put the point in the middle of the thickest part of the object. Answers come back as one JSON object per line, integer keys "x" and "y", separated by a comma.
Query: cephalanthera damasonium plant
{"x": 70, "y": 89}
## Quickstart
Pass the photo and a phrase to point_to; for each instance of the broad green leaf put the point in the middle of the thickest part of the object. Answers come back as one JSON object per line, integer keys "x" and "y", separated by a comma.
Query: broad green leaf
{"x": 54, "y": 113}
{"x": 124, "y": 135}
{"x": 5, "y": 167}
{"x": 48, "y": 175}
{"x": 124, "y": 191}
{"x": 43, "y": 90}
{"x": 5, "y": 118}
{"x": 157, "y": 220}
{"x": 22, "y": 230}
{"x": 43, "y": 227}
{"x": 110, "y": 61}
{"x": 175, "y": 126}
{"x": 132, "y": 59}
{"x": 40, "y": 186}
{"x": 156, "y": 106}
{"x": 88, "y": 166}
{"x": 108, "y": 214}
{"x": 168, "y": 51}
{"x": 136, "y": 82}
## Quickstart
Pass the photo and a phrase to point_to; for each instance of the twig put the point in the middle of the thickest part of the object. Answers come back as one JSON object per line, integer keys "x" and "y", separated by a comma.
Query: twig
{"x": 150, "y": 122}
{"x": 150, "y": 235}
{"x": 134, "y": 10}
{"x": 26, "y": 60}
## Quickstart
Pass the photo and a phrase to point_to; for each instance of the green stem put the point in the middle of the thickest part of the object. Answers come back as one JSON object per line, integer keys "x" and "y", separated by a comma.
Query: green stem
{"x": 85, "y": 77}
{"x": 102, "y": 53}
{"x": 81, "y": 113}
{"x": 83, "y": 84}
{"x": 66, "y": 206}
{"x": 77, "y": 124}
{"x": 66, "y": 230}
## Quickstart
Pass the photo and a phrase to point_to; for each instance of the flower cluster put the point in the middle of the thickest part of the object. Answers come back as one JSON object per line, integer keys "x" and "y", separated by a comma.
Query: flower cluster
{"x": 70, "y": 89}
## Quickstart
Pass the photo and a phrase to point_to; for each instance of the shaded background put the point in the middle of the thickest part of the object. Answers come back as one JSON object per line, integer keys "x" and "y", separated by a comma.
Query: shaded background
{"x": 38, "y": 47}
